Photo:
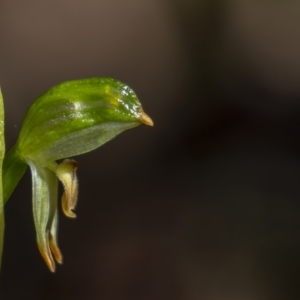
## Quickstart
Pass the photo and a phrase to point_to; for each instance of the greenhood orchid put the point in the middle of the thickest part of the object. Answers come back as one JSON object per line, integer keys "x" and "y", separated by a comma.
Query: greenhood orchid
{"x": 71, "y": 118}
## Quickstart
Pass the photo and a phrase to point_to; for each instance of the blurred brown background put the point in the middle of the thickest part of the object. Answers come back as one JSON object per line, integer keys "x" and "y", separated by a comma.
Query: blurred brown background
{"x": 206, "y": 204}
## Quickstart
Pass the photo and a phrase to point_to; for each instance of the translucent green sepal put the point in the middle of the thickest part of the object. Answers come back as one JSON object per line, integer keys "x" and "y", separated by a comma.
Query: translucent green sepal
{"x": 44, "y": 206}
{"x": 76, "y": 117}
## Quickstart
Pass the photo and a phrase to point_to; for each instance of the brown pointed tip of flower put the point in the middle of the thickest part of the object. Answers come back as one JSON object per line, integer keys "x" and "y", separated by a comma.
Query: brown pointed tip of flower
{"x": 145, "y": 119}
{"x": 67, "y": 211}
{"x": 48, "y": 259}
{"x": 55, "y": 251}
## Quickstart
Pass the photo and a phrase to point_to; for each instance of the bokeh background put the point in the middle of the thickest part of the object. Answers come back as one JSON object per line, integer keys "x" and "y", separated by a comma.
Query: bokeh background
{"x": 204, "y": 205}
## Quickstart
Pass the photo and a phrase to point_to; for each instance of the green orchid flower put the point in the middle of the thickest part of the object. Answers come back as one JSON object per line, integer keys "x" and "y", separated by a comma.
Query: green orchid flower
{"x": 71, "y": 118}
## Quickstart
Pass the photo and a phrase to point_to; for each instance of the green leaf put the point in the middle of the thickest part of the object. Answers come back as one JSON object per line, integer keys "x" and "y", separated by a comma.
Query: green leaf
{"x": 2, "y": 151}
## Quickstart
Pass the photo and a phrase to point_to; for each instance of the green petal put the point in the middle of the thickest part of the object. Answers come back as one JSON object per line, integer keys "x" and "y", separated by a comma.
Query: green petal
{"x": 44, "y": 201}
{"x": 53, "y": 239}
